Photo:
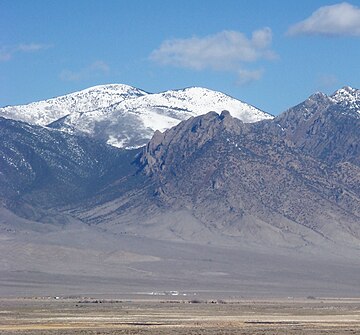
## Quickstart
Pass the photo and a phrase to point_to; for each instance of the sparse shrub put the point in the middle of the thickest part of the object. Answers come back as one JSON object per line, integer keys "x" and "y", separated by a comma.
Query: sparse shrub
{"x": 195, "y": 301}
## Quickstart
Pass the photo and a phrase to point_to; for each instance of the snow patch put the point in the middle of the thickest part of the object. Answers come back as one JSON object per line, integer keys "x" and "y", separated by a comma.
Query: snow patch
{"x": 128, "y": 115}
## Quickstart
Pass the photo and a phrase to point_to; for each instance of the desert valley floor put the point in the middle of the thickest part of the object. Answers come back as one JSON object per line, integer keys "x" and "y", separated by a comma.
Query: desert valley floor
{"x": 65, "y": 316}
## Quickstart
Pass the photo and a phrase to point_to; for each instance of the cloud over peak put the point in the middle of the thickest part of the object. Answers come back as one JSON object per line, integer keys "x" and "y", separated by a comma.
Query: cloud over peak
{"x": 97, "y": 68}
{"x": 336, "y": 20}
{"x": 223, "y": 51}
{"x": 7, "y": 52}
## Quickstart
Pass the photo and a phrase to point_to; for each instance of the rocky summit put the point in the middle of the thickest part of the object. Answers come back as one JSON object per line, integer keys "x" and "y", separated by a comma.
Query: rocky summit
{"x": 278, "y": 198}
{"x": 326, "y": 127}
{"x": 245, "y": 180}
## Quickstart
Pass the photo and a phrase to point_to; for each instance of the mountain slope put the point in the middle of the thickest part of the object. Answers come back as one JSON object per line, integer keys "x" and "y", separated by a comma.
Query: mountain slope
{"x": 244, "y": 180}
{"x": 214, "y": 178}
{"x": 254, "y": 181}
{"x": 211, "y": 203}
{"x": 124, "y": 116}
{"x": 47, "y": 111}
{"x": 326, "y": 127}
{"x": 43, "y": 168}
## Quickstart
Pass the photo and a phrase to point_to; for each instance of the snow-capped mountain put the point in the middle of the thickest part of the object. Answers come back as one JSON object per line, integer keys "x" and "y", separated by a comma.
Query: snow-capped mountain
{"x": 44, "y": 112}
{"x": 286, "y": 188}
{"x": 124, "y": 116}
{"x": 326, "y": 127}
{"x": 348, "y": 97}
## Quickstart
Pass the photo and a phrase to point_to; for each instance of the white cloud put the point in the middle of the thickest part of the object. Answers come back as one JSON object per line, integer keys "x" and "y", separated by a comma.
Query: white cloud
{"x": 248, "y": 76}
{"x": 95, "y": 69}
{"x": 100, "y": 66}
{"x": 224, "y": 51}
{"x": 31, "y": 47}
{"x": 68, "y": 75}
{"x": 336, "y": 20}
{"x": 7, "y": 52}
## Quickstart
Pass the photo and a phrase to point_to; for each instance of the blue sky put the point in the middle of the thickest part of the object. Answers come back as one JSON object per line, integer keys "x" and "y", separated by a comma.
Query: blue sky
{"x": 270, "y": 53}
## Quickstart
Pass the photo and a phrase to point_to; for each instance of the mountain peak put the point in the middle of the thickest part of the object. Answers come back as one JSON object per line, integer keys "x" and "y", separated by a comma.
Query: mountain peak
{"x": 47, "y": 111}
{"x": 349, "y": 98}
{"x": 124, "y": 116}
{"x": 318, "y": 95}
{"x": 114, "y": 88}
{"x": 347, "y": 89}
{"x": 346, "y": 93}
{"x": 345, "y": 101}
{"x": 187, "y": 137}
{"x": 317, "y": 99}
{"x": 325, "y": 126}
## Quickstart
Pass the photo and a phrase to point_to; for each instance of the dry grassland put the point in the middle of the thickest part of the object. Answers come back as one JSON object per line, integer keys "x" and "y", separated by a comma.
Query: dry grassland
{"x": 97, "y": 317}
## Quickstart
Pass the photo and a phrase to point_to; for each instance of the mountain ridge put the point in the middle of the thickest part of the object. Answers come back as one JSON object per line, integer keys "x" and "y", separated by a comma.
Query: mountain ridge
{"x": 249, "y": 156}
{"x": 63, "y": 105}
{"x": 272, "y": 206}
{"x": 124, "y": 116}
{"x": 325, "y": 126}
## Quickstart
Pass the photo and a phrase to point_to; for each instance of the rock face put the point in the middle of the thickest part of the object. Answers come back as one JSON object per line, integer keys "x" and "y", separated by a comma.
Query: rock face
{"x": 264, "y": 209}
{"x": 326, "y": 127}
{"x": 245, "y": 180}
{"x": 291, "y": 181}
{"x": 186, "y": 139}
{"x": 124, "y": 116}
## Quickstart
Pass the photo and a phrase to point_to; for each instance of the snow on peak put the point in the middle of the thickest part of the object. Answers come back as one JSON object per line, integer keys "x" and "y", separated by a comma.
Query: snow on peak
{"x": 125, "y": 116}
{"x": 50, "y": 110}
{"x": 194, "y": 101}
{"x": 349, "y": 97}
{"x": 346, "y": 93}
{"x": 120, "y": 90}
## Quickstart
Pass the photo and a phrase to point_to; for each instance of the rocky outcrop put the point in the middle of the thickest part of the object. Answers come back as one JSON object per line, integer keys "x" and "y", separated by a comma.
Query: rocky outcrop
{"x": 294, "y": 180}
{"x": 325, "y": 127}
{"x": 181, "y": 142}
{"x": 240, "y": 178}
